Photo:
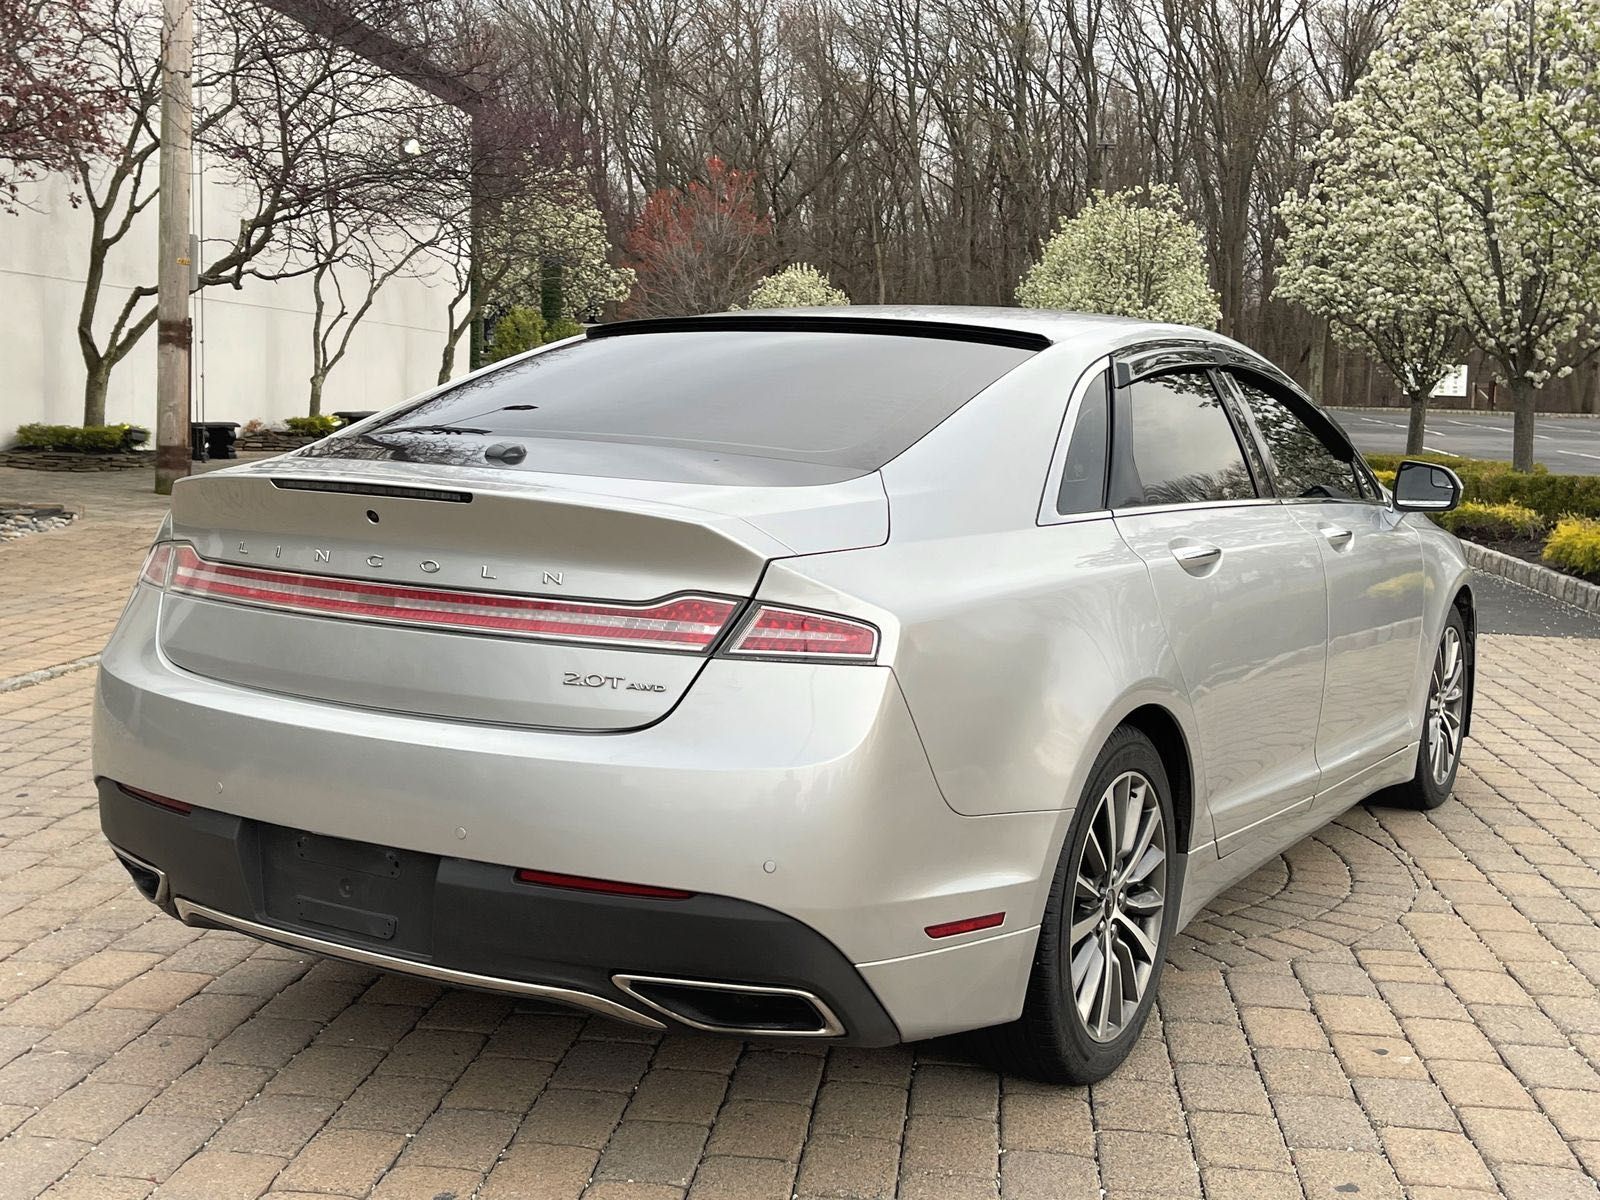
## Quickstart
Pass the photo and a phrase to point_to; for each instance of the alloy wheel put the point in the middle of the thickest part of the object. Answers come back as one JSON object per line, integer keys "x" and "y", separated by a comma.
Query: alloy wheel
{"x": 1118, "y": 905}
{"x": 1446, "y": 704}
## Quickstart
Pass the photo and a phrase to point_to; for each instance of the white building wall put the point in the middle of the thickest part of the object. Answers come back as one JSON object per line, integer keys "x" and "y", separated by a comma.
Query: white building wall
{"x": 252, "y": 349}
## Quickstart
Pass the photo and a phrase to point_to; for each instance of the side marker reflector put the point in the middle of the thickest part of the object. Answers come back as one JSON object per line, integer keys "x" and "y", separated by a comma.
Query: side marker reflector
{"x": 970, "y": 924}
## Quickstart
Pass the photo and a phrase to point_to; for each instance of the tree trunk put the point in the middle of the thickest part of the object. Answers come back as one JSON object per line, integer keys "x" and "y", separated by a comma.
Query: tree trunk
{"x": 447, "y": 361}
{"x": 95, "y": 386}
{"x": 318, "y": 378}
{"x": 1317, "y": 369}
{"x": 1523, "y": 397}
{"x": 1416, "y": 427}
{"x": 552, "y": 299}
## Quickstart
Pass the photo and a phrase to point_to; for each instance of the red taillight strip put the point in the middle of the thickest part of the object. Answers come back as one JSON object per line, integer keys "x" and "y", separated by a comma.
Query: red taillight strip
{"x": 778, "y": 632}
{"x": 686, "y": 623}
{"x": 610, "y": 887}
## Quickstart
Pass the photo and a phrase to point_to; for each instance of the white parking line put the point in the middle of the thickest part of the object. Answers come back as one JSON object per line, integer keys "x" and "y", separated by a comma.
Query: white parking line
{"x": 1435, "y": 450}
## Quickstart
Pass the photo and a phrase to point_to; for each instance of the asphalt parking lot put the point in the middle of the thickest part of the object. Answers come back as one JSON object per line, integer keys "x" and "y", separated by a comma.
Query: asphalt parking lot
{"x": 1567, "y": 445}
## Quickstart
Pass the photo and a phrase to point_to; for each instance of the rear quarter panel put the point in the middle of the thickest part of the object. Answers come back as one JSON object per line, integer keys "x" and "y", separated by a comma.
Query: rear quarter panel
{"x": 1019, "y": 647}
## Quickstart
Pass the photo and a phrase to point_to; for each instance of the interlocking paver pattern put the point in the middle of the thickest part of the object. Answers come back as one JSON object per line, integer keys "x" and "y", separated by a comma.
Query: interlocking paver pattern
{"x": 1403, "y": 1005}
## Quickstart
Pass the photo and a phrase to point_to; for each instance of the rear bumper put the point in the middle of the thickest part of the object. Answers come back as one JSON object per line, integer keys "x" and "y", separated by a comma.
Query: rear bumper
{"x": 471, "y": 924}
{"x": 797, "y": 791}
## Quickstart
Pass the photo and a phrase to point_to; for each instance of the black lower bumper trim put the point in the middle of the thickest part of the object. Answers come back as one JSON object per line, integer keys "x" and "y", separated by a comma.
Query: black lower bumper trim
{"x": 423, "y": 913}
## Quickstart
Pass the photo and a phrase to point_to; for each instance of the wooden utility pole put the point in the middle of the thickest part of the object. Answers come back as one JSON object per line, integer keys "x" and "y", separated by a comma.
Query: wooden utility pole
{"x": 173, "y": 327}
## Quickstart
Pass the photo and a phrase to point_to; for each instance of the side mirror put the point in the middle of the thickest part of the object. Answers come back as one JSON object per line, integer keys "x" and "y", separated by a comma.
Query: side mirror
{"x": 1425, "y": 487}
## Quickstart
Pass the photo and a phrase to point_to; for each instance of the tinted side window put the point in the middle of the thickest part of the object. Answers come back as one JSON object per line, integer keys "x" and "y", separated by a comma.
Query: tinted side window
{"x": 1181, "y": 444}
{"x": 1302, "y": 465}
{"x": 1083, "y": 479}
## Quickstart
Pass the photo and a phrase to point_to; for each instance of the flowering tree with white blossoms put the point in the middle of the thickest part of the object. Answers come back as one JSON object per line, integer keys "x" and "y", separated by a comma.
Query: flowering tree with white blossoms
{"x": 797, "y": 286}
{"x": 1471, "y": 123}
{"x": 1132, "y": 254}
{"x": 1356, "y": 253}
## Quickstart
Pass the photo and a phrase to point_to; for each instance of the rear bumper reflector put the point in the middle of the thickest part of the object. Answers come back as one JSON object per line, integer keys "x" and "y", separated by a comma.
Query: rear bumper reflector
{"x": 690, "y": 623}
{"x": 611, "y": 887}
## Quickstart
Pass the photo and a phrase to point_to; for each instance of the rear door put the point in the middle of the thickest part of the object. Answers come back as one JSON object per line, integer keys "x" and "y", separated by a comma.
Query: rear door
{"x": 1240, "y": 586}
{"x": 1373, "y": 561}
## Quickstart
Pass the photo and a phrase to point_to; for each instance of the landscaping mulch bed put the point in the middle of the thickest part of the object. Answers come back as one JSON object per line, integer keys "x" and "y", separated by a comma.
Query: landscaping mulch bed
{"x": 20, "y": 520}
{"x": 72, "y": 460}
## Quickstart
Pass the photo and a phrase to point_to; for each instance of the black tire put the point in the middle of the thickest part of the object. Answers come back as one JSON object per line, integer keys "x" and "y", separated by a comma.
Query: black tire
{"x": 1426, "y": 790}
{"x": 1051, "y": 1041}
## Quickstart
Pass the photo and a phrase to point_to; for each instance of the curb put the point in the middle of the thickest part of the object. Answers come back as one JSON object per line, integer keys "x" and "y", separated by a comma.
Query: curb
{"x": 1566, "y": 588}
{"x": 45, "y": 674}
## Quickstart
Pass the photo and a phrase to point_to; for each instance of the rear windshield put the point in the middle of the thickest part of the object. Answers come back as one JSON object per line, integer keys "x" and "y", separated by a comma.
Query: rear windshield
{"x": 844, "y": 400}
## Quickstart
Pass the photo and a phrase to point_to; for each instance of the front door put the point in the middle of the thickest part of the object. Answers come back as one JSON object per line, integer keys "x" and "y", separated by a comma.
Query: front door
{"x": 1373, "y": 562}
{"x": 1240, "y": 585}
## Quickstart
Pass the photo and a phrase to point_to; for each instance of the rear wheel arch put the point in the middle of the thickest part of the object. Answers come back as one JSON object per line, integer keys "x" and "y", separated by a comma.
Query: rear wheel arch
{"x": 1164, "y": 731}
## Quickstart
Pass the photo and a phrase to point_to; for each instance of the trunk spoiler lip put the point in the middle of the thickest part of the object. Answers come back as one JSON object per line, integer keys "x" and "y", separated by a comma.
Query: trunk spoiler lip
{"x": 950, "y": 331}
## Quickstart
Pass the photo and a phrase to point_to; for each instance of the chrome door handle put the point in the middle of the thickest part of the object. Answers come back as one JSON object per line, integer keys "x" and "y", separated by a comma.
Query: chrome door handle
{"x": 1196, "y": 558}
{"x": 1337, "y": 538}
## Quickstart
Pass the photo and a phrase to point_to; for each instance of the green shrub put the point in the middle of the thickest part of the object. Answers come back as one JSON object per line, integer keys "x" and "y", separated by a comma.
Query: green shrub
{"x": 86, "y": 439}
{"x": 1493, "y": 521}
{"x": 563, "y": 328}
{"x": 517, "y": 330}
{"x": 1489, "y": 482}
{"x": 1574, "y": 544}
{"x": 320, "y": 426}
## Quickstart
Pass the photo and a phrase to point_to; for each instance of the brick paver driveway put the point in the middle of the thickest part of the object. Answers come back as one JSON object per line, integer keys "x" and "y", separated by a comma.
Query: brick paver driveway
{"x": 1401, "y": 1006}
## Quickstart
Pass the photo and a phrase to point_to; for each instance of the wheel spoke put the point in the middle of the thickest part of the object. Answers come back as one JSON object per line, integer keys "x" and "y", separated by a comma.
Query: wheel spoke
{"x": 1148, "y": 826}
{"x": 1108, "y": 976}
{"x": 1094, "y": 855}
{"x": 1146, "y": 902}
{"x": 1083, "y": 927}
{"x": 1134, "y": 938}
{"x": 1086, "y": 973}
{"x": 1132, "y": 803}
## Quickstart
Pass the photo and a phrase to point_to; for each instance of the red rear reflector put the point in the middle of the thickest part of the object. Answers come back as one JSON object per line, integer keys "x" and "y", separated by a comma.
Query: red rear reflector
{"x": 166, "y": 802}
{"x": 611, "y": 887}
{"x": 686, "y": 623}
{"x": 951, "y": 928}
{"x": 793, "y": 633}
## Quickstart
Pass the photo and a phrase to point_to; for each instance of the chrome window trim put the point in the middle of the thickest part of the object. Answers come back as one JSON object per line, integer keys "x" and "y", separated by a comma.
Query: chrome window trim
{"x": 407, "y": 966}
{"x": 1047, "y": 514}
{"x": 1195, "y": 506}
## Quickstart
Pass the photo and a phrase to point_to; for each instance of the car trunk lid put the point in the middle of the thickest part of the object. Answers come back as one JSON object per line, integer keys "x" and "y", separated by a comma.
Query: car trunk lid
{"x": 553, "y": 601}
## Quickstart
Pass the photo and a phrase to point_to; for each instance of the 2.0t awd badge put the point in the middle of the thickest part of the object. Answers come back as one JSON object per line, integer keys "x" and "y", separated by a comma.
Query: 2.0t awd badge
{"x": 615, "y": 682}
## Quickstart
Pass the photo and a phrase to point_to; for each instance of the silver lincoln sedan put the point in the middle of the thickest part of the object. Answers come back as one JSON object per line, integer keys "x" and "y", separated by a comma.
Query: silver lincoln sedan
{"x": 869, "y": 674}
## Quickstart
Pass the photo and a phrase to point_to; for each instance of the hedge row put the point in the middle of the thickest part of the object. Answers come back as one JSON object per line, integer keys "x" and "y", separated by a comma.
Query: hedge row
{"x": 1488, "y": 482}
{"x": 89, "y": 439}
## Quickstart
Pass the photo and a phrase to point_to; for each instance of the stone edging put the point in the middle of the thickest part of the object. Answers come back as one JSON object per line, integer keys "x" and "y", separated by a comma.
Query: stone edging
{"x": 46, "y": 673}
{"x": 1566, "y": 588}
{"x": 68, "y": 460}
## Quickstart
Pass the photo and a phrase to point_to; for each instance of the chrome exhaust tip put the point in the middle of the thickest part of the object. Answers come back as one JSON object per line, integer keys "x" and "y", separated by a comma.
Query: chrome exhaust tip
{"x": 151, "y": 881}
{"x": 747, "y": 1009}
